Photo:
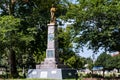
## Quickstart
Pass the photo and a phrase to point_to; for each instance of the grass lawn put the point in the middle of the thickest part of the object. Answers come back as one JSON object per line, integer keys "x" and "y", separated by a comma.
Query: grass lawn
{"x": 36, "y": 79}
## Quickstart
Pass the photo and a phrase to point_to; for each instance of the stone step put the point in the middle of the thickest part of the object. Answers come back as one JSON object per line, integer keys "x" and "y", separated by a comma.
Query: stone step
{"x": 48, "y": 66}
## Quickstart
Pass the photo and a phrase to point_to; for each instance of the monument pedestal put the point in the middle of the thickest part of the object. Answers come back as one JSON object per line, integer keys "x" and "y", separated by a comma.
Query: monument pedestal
{"x": 58, "y": 74}
{"x": 48, "y": 63}
{"x": 50, "y": 68}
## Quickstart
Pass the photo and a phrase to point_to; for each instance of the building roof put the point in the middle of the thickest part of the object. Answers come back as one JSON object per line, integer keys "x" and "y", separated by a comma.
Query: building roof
{"x": 97, "y": 68}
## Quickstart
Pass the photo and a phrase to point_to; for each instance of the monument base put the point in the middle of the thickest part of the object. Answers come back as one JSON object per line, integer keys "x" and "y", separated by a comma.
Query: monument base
{"x": 47, "y": 63}
{"x": 50, "y": 63}
{"x": 65, "y": 73}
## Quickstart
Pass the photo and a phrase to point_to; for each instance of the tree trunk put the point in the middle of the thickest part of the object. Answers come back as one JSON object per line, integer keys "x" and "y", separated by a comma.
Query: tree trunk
{"x": 12, "y": 56}
{"x": 11, "y": 7}
{"x": 118, "y": 70}
{"x": 12, "y": 64}
{"x": 103, "y": 73}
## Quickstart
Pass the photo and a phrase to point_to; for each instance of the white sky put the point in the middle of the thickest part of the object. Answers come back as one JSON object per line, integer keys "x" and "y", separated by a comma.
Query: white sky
{"x": 89, "y": 53}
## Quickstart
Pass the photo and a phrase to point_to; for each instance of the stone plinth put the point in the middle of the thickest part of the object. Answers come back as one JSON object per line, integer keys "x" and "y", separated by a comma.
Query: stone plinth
{"x": 55, "y": 74}
{"x": 48, "y": 63}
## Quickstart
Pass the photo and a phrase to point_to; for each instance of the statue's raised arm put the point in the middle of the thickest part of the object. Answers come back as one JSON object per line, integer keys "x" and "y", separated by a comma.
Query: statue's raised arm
{"x": 52, "y": 11}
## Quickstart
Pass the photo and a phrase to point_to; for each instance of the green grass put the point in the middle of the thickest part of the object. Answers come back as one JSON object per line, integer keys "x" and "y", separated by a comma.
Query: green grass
{"x": 36, "y": 79}
{"x": 28, "y": 79}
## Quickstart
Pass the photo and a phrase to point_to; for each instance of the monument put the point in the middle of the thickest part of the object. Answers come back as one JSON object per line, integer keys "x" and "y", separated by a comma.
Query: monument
{"x": 50, "y": 68}
{"x": 51, "y": 59}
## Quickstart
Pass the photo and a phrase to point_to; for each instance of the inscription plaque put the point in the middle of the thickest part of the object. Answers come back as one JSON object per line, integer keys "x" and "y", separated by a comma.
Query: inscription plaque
{"x": 50, "y": 37}
{"x": 43, "y": 74}
{"x": 50, "y": 53}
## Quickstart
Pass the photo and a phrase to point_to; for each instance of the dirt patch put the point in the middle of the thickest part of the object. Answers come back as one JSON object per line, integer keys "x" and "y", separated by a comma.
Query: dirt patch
{"x": 90, "y": 79}
{"x": 100, "y": 79}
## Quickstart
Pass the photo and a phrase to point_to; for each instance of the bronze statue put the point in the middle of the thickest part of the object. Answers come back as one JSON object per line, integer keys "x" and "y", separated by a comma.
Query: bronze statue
{"x": 52, "y": 11}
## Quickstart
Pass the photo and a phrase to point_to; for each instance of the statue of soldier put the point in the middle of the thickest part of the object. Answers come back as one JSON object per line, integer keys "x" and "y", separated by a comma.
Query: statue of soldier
{"x": 52, "y": 11}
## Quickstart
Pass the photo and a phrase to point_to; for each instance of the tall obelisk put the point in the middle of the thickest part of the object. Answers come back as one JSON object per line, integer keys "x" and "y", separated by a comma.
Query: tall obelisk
{"x": 51, "y": 59}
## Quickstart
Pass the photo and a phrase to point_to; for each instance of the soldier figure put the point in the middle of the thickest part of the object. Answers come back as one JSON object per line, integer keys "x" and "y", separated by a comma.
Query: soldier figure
{"x": 52, "y": 11}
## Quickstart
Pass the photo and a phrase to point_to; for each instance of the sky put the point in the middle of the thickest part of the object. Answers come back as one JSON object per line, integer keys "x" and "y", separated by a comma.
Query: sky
{"x": 89, "y": 53}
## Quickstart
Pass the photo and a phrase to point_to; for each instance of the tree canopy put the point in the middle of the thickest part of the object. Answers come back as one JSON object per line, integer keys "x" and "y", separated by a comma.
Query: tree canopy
{"x": 23, "y": 34}
{"x": 66, "y": 52}
{"x": 102, "y": 60}
{"x": 23, "y": 30}
{"x": 108, "y": 62}
{"x": 97, "y": 23}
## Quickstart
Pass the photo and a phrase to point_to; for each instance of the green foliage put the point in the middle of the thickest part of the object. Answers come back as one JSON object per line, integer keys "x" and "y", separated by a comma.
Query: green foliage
{"x": 107, "y": 61}
{"x": 75, "y": 62}
{"x": 114, "y": 62}
{"x": 9, "y": 29}
{"x": 65, "y": 37}
{"x": 8, "y": 36}
{"x": 102, "y": 60}
{"x": 8, "y": 25}
{"x": 26, "y": 32}
{"x": 89, "y": 61}
{"x": 97, "y": 23}
{"x": 65, "y": 43}
{"x": 66, "y": 52}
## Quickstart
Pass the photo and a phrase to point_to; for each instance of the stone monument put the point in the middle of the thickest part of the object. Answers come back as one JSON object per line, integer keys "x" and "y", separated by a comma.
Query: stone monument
{"x": 50, "y": 68}
{"x": 51, "y": 59}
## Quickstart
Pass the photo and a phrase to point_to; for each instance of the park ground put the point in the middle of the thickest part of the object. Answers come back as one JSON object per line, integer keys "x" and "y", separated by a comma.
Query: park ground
{"x": 69, "y": 79}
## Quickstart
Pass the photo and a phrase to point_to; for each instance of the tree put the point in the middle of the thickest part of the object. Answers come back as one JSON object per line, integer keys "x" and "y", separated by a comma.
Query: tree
{"x": 9, "y": 39}
{"x": 97, "y": 23}
{"x": 75, "y": 62}
{"x": 66, "y": 52}
{"x": 30, "y": 37}
{"x": 102, "y": 60}
{"x": 90, "y": 63}
{"x": 65, "y": 43}
{"x": 114, "y": 62}
{"x": 108, "y": 62}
